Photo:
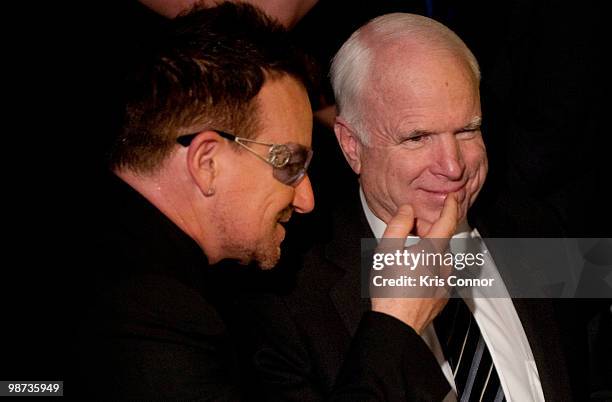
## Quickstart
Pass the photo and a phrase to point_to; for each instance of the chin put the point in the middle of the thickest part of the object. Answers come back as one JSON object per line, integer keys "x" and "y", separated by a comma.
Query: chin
{"x": 269, "y": 258}
{"x": 267, "y": 264}
{"x": 424, "y": 220}
{"x": 429, "y": 215}
{"x": 268, "y": 250}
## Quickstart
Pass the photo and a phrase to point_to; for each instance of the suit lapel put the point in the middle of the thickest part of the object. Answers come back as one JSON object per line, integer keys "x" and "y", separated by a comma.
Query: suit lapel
{"x": 344, "y": 250}
{"x": 540, "y": 325}
{"x": 538, "y": 320}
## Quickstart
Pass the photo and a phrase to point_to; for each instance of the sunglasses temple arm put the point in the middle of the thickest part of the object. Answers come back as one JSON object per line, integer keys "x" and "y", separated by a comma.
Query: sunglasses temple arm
{"x": 252, "y": 151}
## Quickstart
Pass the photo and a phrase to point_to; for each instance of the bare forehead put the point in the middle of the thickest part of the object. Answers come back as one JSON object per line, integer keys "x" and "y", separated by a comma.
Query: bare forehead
{"x": 284, "y": 111}
{"x": 434, "y": 89}
{"x": 406, "y": 70}
{"x": 402, "y": 60}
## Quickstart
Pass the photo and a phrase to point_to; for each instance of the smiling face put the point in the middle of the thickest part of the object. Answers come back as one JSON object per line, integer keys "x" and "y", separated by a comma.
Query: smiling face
{"x": 252, "y": 205}
{"x": 423, "y": 121}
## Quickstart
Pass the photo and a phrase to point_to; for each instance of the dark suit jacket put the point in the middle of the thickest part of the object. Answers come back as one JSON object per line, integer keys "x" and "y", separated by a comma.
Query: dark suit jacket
{"x": 162, "y": 324}
{"x": 152, "y": 326}
{"x": 306, "y": 327}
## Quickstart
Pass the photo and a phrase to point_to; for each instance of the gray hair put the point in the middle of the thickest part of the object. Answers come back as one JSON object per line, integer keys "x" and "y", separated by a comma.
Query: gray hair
{"x": 351, "y": 65}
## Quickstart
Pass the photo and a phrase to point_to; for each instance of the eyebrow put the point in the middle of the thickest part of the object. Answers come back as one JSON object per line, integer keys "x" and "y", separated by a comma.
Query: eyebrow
{"x": 418, "y": 133}
{"x": 473, "y": 125}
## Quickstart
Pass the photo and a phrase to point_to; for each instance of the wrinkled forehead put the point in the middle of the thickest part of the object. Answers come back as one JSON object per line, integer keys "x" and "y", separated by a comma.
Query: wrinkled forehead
{"x": 404, "y": 64}
{"x": 411, "y": 88}
{"x": 405, "y": 75}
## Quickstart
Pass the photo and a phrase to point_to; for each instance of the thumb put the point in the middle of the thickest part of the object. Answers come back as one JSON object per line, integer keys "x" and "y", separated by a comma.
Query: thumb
{"x": 445, "y": 226}
{"x": 401, "y": 224}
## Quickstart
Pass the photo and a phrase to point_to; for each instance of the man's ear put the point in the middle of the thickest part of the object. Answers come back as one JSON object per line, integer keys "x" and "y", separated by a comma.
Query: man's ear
{"x": 203, "y": 160}
{"x": 349, "y": 143}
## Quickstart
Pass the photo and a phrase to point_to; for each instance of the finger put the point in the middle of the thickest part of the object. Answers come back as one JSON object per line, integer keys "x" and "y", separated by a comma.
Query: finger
{"x": 445, "y": 226}
{"x": 401, "y": 224}
{"x": 397, "y": 229}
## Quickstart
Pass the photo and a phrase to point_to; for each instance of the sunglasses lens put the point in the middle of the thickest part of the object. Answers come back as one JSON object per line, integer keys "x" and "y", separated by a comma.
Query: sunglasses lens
{"x": 296, "y": 167}
{"x": 279, "y": 155}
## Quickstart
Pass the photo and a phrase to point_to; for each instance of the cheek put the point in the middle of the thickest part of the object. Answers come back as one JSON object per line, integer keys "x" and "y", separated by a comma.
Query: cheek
{"x": 406, "y": 173}
{"x": 402, "y": 181}
{"x": 477, "y": 165}
{"x": 475, "y": 157}
{"x": 275, "y": 203}
{"x": 258, "y": 207}
{"x": 373, "y": 167}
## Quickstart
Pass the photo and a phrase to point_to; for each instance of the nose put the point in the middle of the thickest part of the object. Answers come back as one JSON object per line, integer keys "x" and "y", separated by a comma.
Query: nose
{"x": 448, "y": 160}
{"x": 303, "y": 198}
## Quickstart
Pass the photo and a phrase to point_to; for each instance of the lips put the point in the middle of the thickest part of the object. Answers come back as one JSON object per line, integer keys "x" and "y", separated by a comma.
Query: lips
{"x": 445, "y": 190}
{"x": 438, "y": 196}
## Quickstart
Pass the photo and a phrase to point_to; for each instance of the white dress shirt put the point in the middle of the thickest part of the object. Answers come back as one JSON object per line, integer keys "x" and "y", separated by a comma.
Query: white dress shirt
{"x": 499, "y": 325}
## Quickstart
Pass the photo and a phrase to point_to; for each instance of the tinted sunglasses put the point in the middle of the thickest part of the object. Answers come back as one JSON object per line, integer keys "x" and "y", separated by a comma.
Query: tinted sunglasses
{"x": 289, "y": 161}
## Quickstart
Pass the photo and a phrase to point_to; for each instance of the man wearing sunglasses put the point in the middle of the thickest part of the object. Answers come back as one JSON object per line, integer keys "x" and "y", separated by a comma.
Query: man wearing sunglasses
{"x": 210, "y": 163}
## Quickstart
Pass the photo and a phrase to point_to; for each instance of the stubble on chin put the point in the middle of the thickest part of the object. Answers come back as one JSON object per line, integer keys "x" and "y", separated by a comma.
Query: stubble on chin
{"x": 270, "y": 254}
{"x": 269, "y": 258}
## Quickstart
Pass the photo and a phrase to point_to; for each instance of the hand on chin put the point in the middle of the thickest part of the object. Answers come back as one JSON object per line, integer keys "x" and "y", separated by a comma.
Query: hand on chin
{"x": 421, "y": 227}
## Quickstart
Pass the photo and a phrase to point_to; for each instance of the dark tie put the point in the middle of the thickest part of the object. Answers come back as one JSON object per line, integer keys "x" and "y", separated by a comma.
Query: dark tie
{"x": 464, "y": 347}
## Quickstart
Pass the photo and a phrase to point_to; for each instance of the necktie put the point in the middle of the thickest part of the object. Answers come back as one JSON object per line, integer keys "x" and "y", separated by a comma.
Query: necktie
{"x": 464, "y": 347}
